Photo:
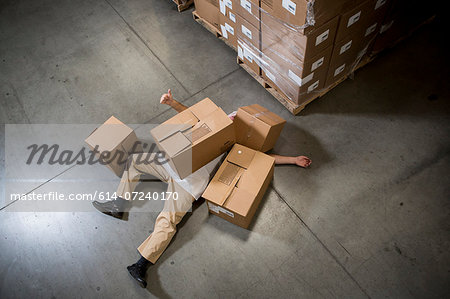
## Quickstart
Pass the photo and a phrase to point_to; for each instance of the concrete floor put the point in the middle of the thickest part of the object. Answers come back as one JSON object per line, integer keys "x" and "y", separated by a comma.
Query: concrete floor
{"x": 370, "y": 218}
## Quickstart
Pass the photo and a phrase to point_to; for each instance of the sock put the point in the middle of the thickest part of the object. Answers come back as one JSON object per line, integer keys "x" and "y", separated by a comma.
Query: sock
{"x": 143, "y": 263}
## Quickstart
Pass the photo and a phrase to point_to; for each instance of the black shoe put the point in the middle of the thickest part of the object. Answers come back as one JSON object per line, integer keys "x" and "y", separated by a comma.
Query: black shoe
{"x": 113, "y": 208}
{"x": 138, "y": 273}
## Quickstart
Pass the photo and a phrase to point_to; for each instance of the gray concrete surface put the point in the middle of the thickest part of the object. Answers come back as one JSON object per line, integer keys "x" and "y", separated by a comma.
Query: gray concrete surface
{"x": 370, "y": 218}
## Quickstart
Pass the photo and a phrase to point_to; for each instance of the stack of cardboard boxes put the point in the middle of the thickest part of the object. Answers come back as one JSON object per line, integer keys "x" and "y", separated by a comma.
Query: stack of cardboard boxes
{"x": 302, "y": 47}
{"x": 239, "y": 22}
{"x": 309, "y": 46}
{"x": 402, "y": 17}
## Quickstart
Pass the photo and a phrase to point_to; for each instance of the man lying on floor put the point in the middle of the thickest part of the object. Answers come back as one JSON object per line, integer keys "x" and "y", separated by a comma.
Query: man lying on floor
{"x": 188, "y": 190}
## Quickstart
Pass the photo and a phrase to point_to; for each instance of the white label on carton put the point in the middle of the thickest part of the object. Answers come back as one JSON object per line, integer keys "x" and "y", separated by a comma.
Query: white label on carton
{"x": 222, "y": 7}
{"x": 371, "y": 29}
{"x": 379, "y": 3}
{"x": 246, "y": 31}
{"x": 213, "y": 207}
{"x": 313, "y": 86}
{"x": 345, "y": 47}
{"x": 224, "y": 31}
{"x": 322, "y": 37}
{"x": 232, "y": 17}
{"x": 339, "y": 70}
{"x": 316, "y": 64}
{"x": 231, "y": 214}
{"x": 229, "y": 28}
{"x": 240, "y": 53}
{"x": 385, "y": 27}
{"x": 247, "y": 5}
{"x": 353, "y": 19}
{"x": 299, "y": 80}
{"x": 248, "y": 55}
{"x": 289, "y": 5}
{"x": 229, "y": 4}
{"x": 270, "y": 76}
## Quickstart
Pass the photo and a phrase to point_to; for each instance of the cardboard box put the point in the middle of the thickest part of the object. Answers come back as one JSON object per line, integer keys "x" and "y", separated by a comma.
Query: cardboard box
{"x": 250, "y": 11}
{"x": 352, "y": 20}
{"x": 346, "y": 48}
{"x": 348, "y": 51}
{"x": 364, "y": 15}
{"x": 248, "y": 33}
{"x": 208, "y": 10}
{"x": 195, "y": 137}
{"x": 257, "y": 128}
{"x": 113, "y": 142}
{"x": 296, "y": 12}
{"x": 342, "y": 65}
{"x": 236, "y": 190}
{"x": 294, "y": 92}
{"x": 274, "y": 32}
{"x": 294, "y": 78}
{"x": 352, "y": 44}
{"x": 339, "y": 69}
{"x": 293, "y": 65}
{"x": 228, "y": 22}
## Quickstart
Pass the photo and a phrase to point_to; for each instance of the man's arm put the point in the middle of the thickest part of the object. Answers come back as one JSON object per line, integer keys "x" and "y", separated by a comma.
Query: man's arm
{"x": 301, "y": 161}
{"x": 168, "y": 99}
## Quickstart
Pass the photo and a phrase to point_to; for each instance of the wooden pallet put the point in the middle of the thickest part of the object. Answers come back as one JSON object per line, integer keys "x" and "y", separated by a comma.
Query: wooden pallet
{"x": 286, "y": 102}
{"x": 211, "y": 28}
{"x": 183, "y": 6}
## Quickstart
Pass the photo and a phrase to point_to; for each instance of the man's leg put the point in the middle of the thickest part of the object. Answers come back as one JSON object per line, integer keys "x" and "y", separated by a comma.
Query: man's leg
{"x": 130, "y": 178}
{"x": 136, "y": 167}
{"x": 164, "y": 230}
{"x": 166, "y": 222}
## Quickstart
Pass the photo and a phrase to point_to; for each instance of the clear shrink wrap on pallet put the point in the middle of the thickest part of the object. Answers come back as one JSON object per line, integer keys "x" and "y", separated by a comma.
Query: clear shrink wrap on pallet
{"x": 299, "y": 54}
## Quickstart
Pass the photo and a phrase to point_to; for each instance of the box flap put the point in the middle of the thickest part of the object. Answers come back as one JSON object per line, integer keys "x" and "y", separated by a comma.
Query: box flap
{"x": 240, "y": 201}
{"x": 186, "y": 117}
{"x": 203, "y": 108}
{"x": 179, "y": 123}
{"x": 175, "y": 144}
{"x": 164, "y": 131}
{"x": 241, "y": 156}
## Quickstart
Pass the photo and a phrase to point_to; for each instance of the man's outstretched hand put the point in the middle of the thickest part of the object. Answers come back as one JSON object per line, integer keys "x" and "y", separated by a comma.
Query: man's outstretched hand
{"x": 167, "y": 98}
{"x": 303, "y": 161}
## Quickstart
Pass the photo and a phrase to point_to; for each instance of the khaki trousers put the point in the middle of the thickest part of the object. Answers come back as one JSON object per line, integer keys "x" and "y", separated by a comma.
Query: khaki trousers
{"x": 172, "y": 213}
